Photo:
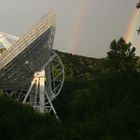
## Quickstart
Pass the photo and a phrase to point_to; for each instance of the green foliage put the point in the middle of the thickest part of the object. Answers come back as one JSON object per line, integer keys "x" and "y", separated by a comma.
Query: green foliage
{"x": 18, "y": 122}
{"x": 110, "y": 107}
{"x": 100, "y": 100}
{"x": 121, "y": 57}
{"x": 80, "y": 68}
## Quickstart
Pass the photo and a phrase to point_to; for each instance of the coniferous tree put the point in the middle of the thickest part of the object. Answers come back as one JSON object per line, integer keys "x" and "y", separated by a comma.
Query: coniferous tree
{"x": 121, "y": 57}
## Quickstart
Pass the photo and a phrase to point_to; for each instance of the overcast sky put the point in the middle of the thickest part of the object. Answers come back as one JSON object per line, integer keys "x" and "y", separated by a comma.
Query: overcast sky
{"x": 85, "y": 27}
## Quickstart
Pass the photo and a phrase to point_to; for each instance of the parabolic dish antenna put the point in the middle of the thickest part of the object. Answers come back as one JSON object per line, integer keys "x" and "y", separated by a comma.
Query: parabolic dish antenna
{"x": 30, "y": 71}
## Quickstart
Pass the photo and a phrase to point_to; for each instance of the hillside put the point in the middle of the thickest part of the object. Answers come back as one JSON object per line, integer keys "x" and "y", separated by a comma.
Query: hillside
{"x": 15, "y": 118}
{"x": 80, "y": 71}
{"x": 80, "y": 67}
{"x": 100, "y": 100}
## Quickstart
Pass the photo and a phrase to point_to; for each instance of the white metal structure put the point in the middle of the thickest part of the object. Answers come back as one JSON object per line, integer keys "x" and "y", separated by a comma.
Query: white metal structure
{"x": 30, "y": 71}
{"x": 4, "y": 41}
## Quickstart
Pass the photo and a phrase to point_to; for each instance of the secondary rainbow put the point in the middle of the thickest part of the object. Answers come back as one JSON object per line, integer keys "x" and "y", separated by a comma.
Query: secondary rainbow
{"x": 79, "y": 25}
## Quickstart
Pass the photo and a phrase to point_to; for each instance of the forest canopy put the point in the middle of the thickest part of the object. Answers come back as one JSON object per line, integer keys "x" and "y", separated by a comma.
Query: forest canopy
{"x": 100, "y": 100}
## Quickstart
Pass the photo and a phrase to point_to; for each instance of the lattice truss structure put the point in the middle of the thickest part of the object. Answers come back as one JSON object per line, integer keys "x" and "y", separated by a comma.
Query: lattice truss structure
{"x": 30, "y": 71}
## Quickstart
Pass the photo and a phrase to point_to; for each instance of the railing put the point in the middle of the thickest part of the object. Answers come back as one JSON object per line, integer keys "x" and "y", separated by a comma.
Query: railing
{"x": 20, "y": 45}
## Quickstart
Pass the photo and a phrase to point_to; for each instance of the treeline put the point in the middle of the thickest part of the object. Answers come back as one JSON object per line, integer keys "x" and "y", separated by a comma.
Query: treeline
{"x": 100, "y": 100}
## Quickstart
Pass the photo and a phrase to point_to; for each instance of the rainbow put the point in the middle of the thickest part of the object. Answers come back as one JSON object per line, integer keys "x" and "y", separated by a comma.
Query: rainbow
{"x": 79, "y": 25}
{"x": 129, "y": 37}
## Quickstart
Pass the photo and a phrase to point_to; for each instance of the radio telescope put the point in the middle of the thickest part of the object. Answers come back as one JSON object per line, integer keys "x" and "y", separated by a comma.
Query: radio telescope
{"x": 30, "y": 71}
